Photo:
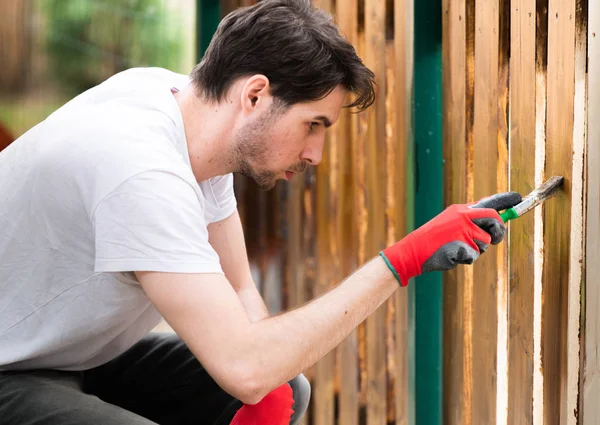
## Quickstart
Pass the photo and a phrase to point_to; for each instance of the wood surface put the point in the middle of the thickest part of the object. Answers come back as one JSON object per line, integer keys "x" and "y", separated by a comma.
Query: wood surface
{"x": 559, "y": 157}
{"x": 590, "y": 392}
{"x": 457, "y": 375}
{"x": 375, "y": 173}
{"x": 486, "y": 270}
{"x": 522, "y": 180}
{"x": 347, "y": 19}
{"x": 402, "y": 135}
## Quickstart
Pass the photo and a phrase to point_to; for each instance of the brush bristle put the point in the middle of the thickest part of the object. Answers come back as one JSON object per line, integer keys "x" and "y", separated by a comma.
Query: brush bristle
{"x": 549, "y": 187}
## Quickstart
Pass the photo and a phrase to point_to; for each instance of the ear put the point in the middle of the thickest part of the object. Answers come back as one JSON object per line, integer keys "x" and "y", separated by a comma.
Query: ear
{"x": 255, "y": 94}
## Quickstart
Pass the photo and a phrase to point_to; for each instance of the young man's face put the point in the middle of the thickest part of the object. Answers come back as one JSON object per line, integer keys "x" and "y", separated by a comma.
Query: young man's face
{"x": 279, "y": 144}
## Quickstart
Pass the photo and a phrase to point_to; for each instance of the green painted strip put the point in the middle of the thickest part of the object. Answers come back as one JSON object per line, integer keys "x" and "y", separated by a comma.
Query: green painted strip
{"x": 208, "y": 16}
{"x": 428, "y": 293}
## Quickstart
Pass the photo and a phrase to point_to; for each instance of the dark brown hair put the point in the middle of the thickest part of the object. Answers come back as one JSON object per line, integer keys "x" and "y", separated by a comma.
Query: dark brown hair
{"x": 297, "y": 47}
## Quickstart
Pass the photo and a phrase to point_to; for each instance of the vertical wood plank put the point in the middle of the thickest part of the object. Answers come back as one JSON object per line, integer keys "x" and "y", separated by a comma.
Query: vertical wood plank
{"x": 360, "y": 126}
{"x": 309, "y": 244}
{"x": 325, "y": 368}
{"x": 522, "y": 180}
{"x": 375, "y": 154}
{"x": 541, "y": 65}
{"x": 390, "y": 217}
{"x": 347, "y": 18}
{"x": 569, "y": 412}
{"x": 502, "y": 186}
{"x": 486, "y": 270}
{"x": 591, "y": 371}
{"x": 403, "y": 65}
{"x": 454, "y": 82}
{"x": 559, "y": 148}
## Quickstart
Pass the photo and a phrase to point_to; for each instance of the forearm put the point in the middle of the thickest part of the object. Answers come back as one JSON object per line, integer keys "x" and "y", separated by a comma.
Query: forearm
{"x": 253, "y": 303}
{"x": 249, "y": 359}
{"x": 278, "y": 348}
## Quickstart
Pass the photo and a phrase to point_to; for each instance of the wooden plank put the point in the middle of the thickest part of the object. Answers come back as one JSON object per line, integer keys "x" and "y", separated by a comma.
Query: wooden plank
{"x": 347, "y": 19}
{"x": 522, "y": 260}
{"x": 375, "y": 156}
{"x": 392, "y": 170}
{"x": 403, "y": 65}
{"x": 294, "y": 258}
{"x": 569, "y": 413}
{"x": 591, "y": 354}
{"x": 502, "y": 186}
{"x": 559, "y": 148}
{"x": 324, "y": 397}
{"x": 454, "y": 62}
{"x": 486, "y": 269}
{"x": 360, "y": 126}
{"x": 541, "y": 65}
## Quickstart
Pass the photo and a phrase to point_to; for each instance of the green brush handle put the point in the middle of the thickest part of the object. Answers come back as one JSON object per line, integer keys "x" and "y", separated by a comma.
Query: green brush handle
{"x": 509, "y": 214}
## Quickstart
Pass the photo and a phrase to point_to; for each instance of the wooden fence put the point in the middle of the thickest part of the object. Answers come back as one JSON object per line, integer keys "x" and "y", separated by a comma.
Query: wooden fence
{"x": 515, "y": 88}
{"x": 521, "y": 333}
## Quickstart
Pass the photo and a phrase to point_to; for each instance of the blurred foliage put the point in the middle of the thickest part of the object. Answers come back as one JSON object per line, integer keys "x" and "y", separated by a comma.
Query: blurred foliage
{"x": 91, "y": 40}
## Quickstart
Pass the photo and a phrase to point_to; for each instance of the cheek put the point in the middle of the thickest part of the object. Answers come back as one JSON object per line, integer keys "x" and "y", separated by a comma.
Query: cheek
{"x": 288, "y": 144}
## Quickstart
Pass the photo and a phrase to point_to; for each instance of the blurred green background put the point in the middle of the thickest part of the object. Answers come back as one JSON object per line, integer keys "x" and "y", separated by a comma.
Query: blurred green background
{"x": 52, "y": 50}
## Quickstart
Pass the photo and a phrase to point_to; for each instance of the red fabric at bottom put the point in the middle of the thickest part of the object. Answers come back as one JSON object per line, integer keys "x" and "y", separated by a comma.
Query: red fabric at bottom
{"x": 274, "y": 409}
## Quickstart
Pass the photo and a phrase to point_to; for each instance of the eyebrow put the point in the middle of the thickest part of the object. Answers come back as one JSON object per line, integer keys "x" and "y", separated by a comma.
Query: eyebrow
{"x": 324, "y": 119}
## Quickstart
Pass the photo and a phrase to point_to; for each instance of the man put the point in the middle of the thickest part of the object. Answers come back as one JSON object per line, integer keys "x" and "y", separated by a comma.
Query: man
{"x": 119, "y": 209}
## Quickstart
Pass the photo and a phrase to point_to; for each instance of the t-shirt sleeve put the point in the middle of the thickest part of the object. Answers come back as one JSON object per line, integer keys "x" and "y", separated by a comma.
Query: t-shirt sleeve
{"x": 222, "y": 188}
{"x": 153, "y": 222}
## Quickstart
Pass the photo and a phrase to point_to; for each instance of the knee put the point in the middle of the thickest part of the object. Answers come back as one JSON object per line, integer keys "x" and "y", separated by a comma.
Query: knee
{"x": 301, "y": 392}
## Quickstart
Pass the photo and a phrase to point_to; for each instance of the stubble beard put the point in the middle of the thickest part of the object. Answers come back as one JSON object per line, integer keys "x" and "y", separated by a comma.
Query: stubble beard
{"x": 251, "y": 147}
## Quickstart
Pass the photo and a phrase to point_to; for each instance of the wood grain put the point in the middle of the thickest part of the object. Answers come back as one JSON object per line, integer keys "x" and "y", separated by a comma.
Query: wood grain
{"x": 347, "y": 19}
{"x": 402, "y": 133}
{"x": 559, "y": 132}
{"x": 541, "y": 65}
{"x": 486, "y": 270}
{"x": 324, "y": 399}
{"x": 590, "y": 391}
{"x": 454, "y": 68}
{"x": 569, "y": 413}
{"x": 522, "y": 149}
{"x": 375, "y": 152}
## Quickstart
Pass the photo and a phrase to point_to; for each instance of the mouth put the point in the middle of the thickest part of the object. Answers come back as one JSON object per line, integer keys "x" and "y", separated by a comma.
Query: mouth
{"x": 289, "y": 175}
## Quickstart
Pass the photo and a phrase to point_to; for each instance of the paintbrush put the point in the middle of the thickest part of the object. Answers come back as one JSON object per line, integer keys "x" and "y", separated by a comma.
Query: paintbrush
{"x": 534, "y": 199}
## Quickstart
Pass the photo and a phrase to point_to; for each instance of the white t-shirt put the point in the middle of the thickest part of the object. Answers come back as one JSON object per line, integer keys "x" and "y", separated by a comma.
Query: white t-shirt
{"x": 100, "y": 189}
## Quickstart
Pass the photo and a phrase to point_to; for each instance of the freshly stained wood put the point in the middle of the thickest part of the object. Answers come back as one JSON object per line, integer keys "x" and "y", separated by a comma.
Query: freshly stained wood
{"x": 590, "y": 393}
{"x": 456, "y": 174}
{"x": 347, "y": 19}
{"x": 402, "y": 133}
{"x": 486, "y": 270}
{"x": 559, "y": 157}
{"x": 522, "y": 148}
{"x": 375, "y": 153}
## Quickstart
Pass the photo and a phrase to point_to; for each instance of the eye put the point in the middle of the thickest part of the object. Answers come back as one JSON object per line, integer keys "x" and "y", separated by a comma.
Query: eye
{"x": 312, "y": 125}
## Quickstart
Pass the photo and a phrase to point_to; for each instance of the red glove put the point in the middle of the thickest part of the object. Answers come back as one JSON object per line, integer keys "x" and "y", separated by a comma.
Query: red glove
{"x": 456, "y": 236}
{"x": 274, "y": 409}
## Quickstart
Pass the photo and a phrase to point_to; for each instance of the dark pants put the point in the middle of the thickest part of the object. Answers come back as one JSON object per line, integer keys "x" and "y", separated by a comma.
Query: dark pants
{"x": 157, "y": 381}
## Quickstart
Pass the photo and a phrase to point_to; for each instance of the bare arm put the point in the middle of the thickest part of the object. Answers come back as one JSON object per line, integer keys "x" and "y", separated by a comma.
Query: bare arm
{"x": 247, "y": 359}
{"x": 227, "y": 238}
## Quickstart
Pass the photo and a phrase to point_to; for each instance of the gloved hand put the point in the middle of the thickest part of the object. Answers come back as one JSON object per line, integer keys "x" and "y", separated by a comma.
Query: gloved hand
{"x": 458, "y": 235}
{"x": 274, "y": 409}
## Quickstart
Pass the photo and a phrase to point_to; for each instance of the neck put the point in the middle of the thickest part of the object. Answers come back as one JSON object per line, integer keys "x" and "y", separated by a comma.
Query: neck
{"x": 208, "y": 132}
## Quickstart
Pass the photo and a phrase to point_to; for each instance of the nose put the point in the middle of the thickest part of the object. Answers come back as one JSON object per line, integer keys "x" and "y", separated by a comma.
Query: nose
{"x": 313, "y": 153}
